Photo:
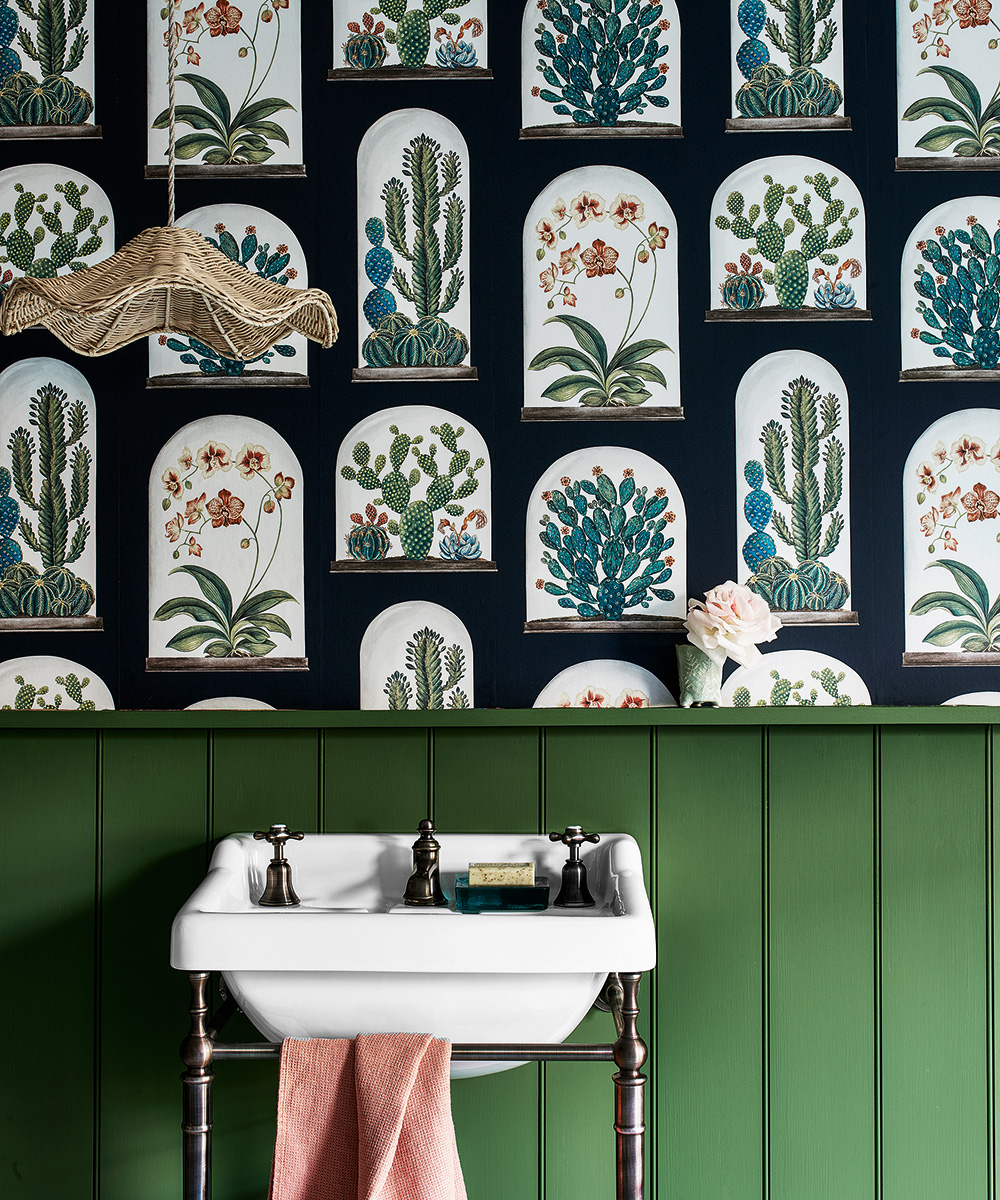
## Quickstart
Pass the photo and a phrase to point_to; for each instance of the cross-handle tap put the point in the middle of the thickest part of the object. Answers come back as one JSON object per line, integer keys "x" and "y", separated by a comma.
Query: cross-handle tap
{"x": 278, "y": 891}
{"x": 574, "y": 892}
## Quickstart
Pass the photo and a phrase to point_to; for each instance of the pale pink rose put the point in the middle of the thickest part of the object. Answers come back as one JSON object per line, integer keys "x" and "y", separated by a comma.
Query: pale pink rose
{"x": 730, "y": 623}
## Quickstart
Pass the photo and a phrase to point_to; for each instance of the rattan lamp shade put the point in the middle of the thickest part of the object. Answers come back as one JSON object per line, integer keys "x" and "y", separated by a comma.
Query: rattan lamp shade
{"x": 168, "y": 280}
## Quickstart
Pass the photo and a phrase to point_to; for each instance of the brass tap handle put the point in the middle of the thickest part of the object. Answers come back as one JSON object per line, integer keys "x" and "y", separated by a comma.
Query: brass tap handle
{"x": 277, "y": 835}
{"x": 574, "y": 837}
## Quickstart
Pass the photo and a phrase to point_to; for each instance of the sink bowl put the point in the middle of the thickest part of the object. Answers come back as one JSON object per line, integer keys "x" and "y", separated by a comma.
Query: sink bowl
{"x": 353, "y": 959}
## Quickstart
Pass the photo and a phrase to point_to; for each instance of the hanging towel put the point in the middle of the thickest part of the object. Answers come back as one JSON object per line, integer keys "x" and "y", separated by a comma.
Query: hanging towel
{"x": 368, "y": 1119}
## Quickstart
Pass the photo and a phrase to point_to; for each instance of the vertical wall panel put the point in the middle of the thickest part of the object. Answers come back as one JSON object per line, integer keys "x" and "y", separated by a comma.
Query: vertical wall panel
{"x": 934, "y": 971}
{"x": 155, "y": 823}
{"x": 821, "y": 964}
{"x": 709, "y": 1071}
{"x": 49, "y": 804}
{"x": 376, "y": 781}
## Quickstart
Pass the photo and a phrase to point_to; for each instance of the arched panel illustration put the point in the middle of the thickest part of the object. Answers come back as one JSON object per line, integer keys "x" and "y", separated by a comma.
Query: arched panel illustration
{"x": 793, "y": 488}
{"x": 413, "y": 250}
{"x": 48, "y": 510}
{"x": 787, "y": 65}
{"x": 239, "y": 89}
{"x": 949, "y": 314}
{"x": 230, "y": 704}
{"x": 45, "y": 684}
{"x": 416, "y": 655}
{"x": 788, "y": 243}
{"x": 265, "y": 246}
{"x": 225, "y": 550}
{"x": 604, "y": 683}
{"x": 985, "y": 699}
{"x": 605, "y": 70}
{"x": 951, "y": 565}
{"x": 947, "y": 85}
{"x": 425, "y": 39}
{"x": 600, "y": 304}
{"x": 795, "y": 678}
{"x": 47, "y": 67}
{"x": 414, "y": 493}
{"x": 72, "y": 212}
{"x": 606, "y": 545}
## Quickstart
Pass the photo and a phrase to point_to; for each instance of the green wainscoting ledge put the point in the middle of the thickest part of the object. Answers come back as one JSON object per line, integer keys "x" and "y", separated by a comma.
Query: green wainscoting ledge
{"x": 822, "y": 1022}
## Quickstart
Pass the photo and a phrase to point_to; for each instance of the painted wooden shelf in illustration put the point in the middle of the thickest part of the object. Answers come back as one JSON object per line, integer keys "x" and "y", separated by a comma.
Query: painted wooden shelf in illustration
{"x": 44, "y": 684}
{"x": 608, "y": 70}
{"x": 239, "y": 89}
{"x": 787, "y": 66}
{"x": 600, "y": 300}
{"x": 604, "y": 683}
{"x": 951, "y": 562}
{"x": 48, "y": 534}
{"x": 606, "y": 545}
{"x": 947, "y": 85}
{"x": 788, "y": 244}
{"x": 413, "y": 252}
{"x": 949, "y": 305}
{"x": 225, "y": 551}
{"x": 416, "y": 655}
{"x": 414, "y": 493}
{"x": 793, "y": 488}
{"x": 266, "y": 247}
{"x": 795, "y": 678}
{"x": 410, "y": 39}
{"x": 47, "y": 70}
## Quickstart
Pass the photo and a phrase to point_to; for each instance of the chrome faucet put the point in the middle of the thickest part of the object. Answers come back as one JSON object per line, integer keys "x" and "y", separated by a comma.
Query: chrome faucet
{"x": 423, "y": 888}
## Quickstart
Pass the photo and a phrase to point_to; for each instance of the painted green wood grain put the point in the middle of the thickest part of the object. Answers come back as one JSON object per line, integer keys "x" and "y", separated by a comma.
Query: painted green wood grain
{"x": 708, "y": 1051}
{"x": 934, "y": 971}
{"x": 376, "y": 782}
{"x": 153, "y": 855}
{"x": 489, "y": 782}
{"x": 49, "y": 805}
{"x": 821, "y": 989}
{"x": 600, "y": 779}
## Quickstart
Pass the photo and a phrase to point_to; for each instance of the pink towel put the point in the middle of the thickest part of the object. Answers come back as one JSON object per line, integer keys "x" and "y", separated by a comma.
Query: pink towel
{"x": 368, "y": 1119}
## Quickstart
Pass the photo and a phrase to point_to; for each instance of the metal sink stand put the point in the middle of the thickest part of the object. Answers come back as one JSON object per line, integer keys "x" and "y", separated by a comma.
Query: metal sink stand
{"x": 200, "y": 1050}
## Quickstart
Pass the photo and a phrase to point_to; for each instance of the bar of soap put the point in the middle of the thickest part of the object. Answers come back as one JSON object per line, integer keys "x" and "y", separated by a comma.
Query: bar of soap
{"x": 501, "y": 874}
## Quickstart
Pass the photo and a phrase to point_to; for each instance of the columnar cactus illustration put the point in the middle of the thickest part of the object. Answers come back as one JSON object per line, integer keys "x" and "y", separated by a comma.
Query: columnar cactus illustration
{"x": 603, "y": 61}
{"x": 365, "y": 49}
{"x": 415, "y": 526}
{"x": 959, "y": 292}
{"x": 412, "y": 33}
{"x": 590, "y": 529}
{"x": 770, "y": 240}
{"x": 808, "y": 583}
{"x": 784, "y": 691}
{"x": 434, "y": 687}
{"x": 58, "y": 48}
{"x": 802, "y": 91}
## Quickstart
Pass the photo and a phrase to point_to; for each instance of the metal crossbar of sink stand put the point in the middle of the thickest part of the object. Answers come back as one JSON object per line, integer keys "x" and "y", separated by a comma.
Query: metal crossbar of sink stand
{"x": 200, "y": 1050}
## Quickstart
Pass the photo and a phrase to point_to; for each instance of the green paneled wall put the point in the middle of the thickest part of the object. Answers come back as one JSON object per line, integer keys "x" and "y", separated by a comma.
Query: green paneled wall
{"x": 821, "y": 1023}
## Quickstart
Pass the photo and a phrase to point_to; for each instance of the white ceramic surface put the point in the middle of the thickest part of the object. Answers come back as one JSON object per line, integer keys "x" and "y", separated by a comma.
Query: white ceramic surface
{"x": 797, "y": 667}
{"x": 604, "y": 683}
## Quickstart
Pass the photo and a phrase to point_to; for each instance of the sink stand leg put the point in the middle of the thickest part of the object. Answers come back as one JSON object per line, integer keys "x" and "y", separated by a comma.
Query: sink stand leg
{"x": 630, "y": 1054}
{"x": 196, "y": 1083}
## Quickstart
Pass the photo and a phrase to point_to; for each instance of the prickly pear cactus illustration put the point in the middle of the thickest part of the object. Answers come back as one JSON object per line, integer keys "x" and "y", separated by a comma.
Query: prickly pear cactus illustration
{"x": 10, "y": 514}
{"x": 379, "y": 302}
{"x": 757, "y": 508}
{"x": 959, "y": 302}
{"x": 29, "y": 694}
{"x": 21, "y": 246}
{"x": 785, "y": 693}
{"x": 409, "y": 30}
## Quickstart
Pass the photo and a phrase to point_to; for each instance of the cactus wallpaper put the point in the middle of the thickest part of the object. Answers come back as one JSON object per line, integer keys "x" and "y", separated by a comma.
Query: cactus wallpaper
{"x": 793, "y": 487}
{"x": 48, "y": 452}
{"x": 239, "y": 87}
{"x": 952, "y": 564}
{"x": 606, "y": 545}
{"x": 225, "y": 550}
{"x": 795, "y": 678}
{"x": 413, "y": 493}
{"x": 45, "y": 684}
{"x": 601, "y": 299}
{"x": 788, "y": 63}
{"x": 46, "y": 66}
{"x": 413, "y": 249}
{"x": 411, "y": 38}
{"x": 608, "y": 68}
{"x": 416, "y": 655}
{"x": 261, "y": 242}
{"x": 604, "y": 683}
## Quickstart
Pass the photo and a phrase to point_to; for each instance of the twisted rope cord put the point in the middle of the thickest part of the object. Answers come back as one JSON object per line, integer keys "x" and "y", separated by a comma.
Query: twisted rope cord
{"x": 172, "y": 135}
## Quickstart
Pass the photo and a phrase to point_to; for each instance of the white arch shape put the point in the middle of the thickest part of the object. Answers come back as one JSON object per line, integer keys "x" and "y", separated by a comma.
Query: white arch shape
{"x": 416, "y": 655}
{"x": 44, "y": 683}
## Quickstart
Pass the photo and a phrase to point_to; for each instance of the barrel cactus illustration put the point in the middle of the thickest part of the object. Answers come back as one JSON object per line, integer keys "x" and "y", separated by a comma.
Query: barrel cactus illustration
{"x": 410, "y": 28}
{"x": 742, "y": 288}
{"x": 58, "y": 47}
{"x": 368, "y": 540}
{"x": 20, "y": 246}
{"x": 366, "y": 48}
{"x": 959, "y": 290}
{"x": 802, "y": 90}
{"x": 771, "y": 240}
{"x": 434, "y": 675}
{"x": 813, "y": 525}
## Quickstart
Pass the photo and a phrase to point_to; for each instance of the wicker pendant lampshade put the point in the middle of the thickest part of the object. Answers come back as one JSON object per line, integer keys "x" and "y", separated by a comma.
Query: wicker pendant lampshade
{"x": 168, "y": 280}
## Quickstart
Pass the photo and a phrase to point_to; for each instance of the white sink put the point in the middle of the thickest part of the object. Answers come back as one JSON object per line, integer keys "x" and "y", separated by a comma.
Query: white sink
{"x": 352, "y": 959}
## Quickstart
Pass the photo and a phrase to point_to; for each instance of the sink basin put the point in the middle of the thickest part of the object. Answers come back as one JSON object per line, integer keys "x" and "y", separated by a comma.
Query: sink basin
{"x": 353, "y": 959}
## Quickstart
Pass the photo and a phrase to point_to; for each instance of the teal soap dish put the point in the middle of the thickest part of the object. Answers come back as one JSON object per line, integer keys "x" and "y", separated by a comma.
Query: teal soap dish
{"x": 501, "y": 899}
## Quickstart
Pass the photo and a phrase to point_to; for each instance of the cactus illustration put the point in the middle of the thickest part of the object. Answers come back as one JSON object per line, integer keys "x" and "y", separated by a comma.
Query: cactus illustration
{"x": 453, "y": 50}
{"x": 590, "y": 529}
{"x": 10, "y": 515}
{"x": 808, "y": 583}
{"x": 410, "y": 30}
{"x": 742, "y": 289}
{"x": 368, "y": 540}
{"x": 379, "y": 302}
{"x": 802, "y": 91}
{"x": 415, "y": 526}
{"x": 10, "y": 60}
{"x": 798, "y": 40}
{"x": 435, "y": 683}
{"x": 784, "y": 692}
{"x": 58, "y": 48}
{"x": 365, "y": 49}
{"x": 20, "y": 245}
{"x": 790, "y": 276}
{"x": 28, "y": 694}
{"x": 959, "y": 296}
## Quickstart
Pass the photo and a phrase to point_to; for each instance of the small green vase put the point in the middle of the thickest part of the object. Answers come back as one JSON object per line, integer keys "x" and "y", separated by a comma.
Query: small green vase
{"x": 700, "y": 678}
